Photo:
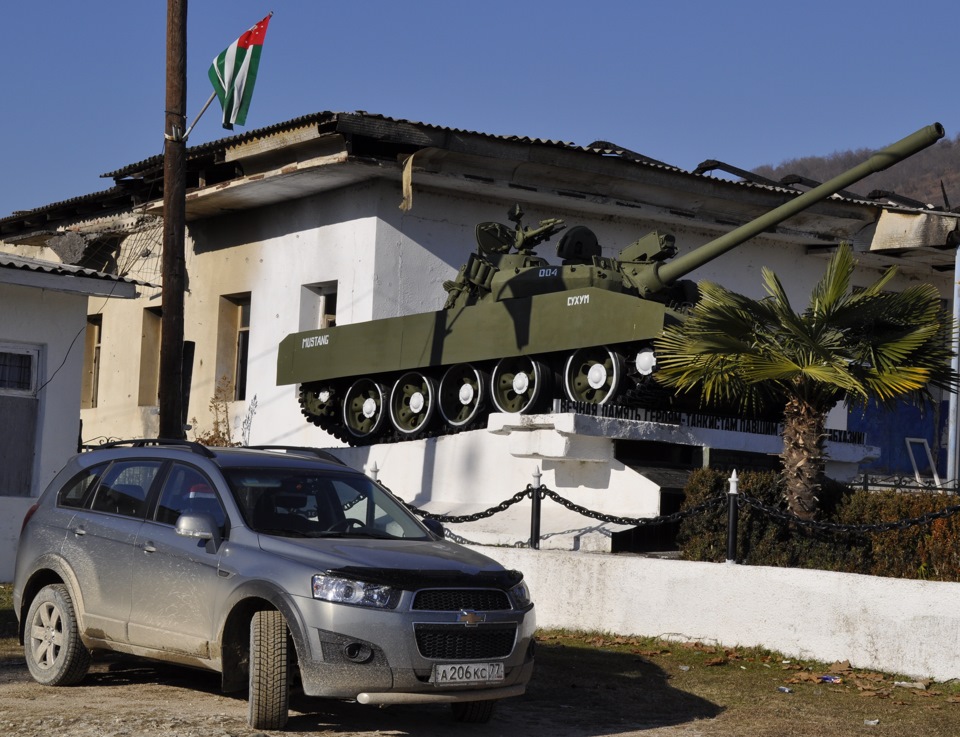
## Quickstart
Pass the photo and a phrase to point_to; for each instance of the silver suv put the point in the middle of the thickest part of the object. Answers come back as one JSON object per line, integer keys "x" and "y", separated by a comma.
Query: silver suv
{"x": 275, "y": 567}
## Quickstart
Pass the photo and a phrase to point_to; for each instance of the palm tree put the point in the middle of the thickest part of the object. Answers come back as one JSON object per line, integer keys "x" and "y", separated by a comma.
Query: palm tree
{"x": 855, "y": 347}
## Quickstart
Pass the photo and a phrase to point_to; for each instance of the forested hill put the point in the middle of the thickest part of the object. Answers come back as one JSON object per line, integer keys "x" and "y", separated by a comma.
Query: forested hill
{"x": 917, "y": 177}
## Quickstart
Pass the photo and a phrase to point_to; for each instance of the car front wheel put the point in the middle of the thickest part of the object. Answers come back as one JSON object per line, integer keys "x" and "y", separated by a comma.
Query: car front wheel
{"x": 54, "y": 653}
{"x": 269, "y": 698}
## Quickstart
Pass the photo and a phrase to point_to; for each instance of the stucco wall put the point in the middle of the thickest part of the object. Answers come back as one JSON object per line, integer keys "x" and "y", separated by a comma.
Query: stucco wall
{"x": 904, "y": 627}
{"x": 54, "y": 321}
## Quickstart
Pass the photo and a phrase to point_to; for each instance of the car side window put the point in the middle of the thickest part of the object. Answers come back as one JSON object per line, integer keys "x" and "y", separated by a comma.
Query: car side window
{"x": 124, "y": 487}
{"x": 187, "y": 491}
{"x": 78, "y": 491}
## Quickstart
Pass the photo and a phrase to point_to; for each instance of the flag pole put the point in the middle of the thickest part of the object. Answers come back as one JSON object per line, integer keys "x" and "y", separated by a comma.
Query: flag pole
{"x": 213, "y": 96}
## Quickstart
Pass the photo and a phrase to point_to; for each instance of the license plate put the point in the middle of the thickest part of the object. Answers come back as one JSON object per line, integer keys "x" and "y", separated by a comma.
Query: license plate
{"x": 450, "y": 674}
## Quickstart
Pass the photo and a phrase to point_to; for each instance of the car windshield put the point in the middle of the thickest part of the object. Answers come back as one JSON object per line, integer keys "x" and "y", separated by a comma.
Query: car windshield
{"x": 303, "y": 502}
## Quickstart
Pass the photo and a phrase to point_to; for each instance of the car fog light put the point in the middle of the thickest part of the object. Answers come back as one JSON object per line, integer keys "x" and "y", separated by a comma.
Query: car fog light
{"x": 358, "y": 652}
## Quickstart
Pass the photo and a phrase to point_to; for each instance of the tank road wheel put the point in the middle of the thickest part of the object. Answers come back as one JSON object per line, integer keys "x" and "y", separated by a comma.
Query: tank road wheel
{"x": 462, "y": 395}
{"x": 519, "y": 384}
{"x": 413, "y": 402}
{"x": 593, "y": 375}
{"x": 644, "y": 361}
{"x": 319, "y": 404}
{"x": 364, "y": 410}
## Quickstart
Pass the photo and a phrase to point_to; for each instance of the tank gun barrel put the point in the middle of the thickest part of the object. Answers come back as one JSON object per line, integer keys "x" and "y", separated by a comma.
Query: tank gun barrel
{"x": 662, "y": 275}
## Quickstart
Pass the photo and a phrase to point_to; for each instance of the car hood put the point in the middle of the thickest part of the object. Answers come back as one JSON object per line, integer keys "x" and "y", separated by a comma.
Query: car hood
{"x": 395, "y": 562}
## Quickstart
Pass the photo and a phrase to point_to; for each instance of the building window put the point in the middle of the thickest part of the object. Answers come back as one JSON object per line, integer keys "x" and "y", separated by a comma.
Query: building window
{"x": 91, "y": 362}
{"x": 243, "y": 348}
{"x": 18, "y": 370}
{"x": 233, "y": 343}
{"x": 148, "y": 394}
{"x": 318, "y": 305}
{"x": 19, "y": 407}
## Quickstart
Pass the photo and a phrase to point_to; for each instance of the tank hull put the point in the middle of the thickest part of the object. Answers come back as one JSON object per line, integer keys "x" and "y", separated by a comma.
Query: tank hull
{"x": 545, "y": 323}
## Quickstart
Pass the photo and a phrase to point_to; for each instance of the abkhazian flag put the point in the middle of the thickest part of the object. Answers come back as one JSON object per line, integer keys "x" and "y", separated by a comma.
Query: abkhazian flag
{"x": 234, "y": 72}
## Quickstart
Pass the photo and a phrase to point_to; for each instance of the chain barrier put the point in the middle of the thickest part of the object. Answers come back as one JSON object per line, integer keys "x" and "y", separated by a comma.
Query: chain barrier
{"x": 536, "y": 493}
{"x": 501, "y": 507}
{"x": 549, "y": 493}
{"x": 633, "y": 521}
{"x": 741, "y": 501}
{"x": 836, "y": 528}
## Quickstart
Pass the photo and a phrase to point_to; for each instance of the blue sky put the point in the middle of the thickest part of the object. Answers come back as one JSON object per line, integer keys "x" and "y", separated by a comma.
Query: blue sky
{"x": 748, "y": 82}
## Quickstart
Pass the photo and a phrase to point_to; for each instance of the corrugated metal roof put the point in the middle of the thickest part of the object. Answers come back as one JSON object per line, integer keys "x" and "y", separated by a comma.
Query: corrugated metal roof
{"x": 9, "y": 261}
{"x": 393, "y": 130}
{"x": 328, "y": 117}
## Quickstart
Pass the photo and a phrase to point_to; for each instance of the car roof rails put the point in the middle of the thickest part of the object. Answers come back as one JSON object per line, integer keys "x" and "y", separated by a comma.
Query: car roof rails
{"x": 144, "y": 442}
{"x": 317, "y": 452}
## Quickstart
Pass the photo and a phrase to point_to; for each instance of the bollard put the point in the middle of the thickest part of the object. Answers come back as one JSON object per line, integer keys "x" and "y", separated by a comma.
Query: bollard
{"x": 373, "y": 472}
{"x": 732, "y": 498}
{"x": 535, "y": 511}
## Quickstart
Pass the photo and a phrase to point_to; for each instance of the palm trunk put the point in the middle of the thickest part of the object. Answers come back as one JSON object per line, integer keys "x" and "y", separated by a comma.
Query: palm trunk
{"x": 803, "y": 460}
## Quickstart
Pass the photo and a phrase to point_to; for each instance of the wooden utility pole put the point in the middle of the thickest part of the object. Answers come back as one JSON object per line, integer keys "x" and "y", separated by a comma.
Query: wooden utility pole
{"x": 174, "y": 225}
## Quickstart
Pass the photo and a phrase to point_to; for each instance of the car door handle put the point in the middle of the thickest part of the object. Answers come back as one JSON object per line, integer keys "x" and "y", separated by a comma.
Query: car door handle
{"x": 149, "y": 547}
{"x": 79, "y": 531}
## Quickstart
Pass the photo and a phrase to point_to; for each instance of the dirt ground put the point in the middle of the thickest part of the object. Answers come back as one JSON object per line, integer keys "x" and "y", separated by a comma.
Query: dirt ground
{"x": 132, "y": 698}
{"x": 575, "y": 692}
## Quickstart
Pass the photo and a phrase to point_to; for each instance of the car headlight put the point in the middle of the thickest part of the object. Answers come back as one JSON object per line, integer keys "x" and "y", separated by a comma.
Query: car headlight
{"x": 358, "y": 593}
{"x": 520, "y": 595}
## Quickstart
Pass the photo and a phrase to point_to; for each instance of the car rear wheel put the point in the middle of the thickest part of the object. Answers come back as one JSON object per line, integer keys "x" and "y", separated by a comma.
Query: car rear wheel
{"x": 269, "y": 698}
{"x": 475, "y": 712}
{"x": 54, "y": 653}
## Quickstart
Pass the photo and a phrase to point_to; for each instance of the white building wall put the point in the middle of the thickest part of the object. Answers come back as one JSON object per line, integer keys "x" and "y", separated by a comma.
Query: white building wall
{"x": 54, "y": 321}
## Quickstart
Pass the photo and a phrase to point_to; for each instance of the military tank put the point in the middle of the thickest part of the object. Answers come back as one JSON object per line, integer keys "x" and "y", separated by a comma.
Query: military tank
{"x": 518, "y": 331}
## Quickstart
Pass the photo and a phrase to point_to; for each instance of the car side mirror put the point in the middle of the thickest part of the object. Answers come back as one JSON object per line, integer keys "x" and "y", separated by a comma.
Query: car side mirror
{"x": 200, "y": 526}
{"x": 435, "y": 526}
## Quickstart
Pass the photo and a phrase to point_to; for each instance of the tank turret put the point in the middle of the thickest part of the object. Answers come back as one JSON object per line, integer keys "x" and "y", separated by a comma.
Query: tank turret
{"x": 518, "y": 331}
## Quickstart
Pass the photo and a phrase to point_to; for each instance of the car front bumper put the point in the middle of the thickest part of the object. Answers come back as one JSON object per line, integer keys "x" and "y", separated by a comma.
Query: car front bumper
{"x": 373, "y": 656}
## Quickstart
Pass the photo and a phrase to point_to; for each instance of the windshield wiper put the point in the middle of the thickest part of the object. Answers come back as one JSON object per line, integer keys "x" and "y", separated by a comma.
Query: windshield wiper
{"x": 357, "y": 532}
{"x": 283, "y": 533}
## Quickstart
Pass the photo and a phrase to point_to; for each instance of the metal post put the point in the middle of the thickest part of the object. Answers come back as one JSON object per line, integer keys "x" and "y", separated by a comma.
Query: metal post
{"x": 952, "y": 419}
{"x": 732, "y": 499}
{"x": 535, "y": 512}
{"x": 373, "y": 472}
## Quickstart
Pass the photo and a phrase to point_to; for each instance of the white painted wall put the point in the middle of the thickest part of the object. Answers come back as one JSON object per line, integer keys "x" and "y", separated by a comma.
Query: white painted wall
{"x": 51, "y": 320}
{"x": 896, "y": 626}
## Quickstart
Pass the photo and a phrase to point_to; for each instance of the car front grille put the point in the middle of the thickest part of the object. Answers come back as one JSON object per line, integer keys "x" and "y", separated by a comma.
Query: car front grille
{"x": 453, "y": 600}
{"x": 457, "y": 642}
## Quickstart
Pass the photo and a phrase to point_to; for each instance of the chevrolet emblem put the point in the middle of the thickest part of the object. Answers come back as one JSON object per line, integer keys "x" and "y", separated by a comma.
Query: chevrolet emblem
{"x": 470, "y": 618}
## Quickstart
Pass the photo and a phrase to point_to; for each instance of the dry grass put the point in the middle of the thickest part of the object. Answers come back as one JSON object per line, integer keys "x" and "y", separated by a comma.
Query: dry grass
{"x": 734, "y": 692}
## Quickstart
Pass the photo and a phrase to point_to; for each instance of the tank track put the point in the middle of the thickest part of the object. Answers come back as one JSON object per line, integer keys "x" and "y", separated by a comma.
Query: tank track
{"x": 331, "y": 423}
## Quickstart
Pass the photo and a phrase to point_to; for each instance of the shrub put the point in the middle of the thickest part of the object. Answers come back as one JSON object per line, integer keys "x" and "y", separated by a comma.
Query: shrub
{"x": 929, "y": 550}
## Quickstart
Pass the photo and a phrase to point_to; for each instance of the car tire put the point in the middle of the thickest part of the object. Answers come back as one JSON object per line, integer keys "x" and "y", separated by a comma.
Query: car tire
{"x": 475, "y": 712}
{"x": 51, "y": 640}
{"x": 269, "y": 698}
